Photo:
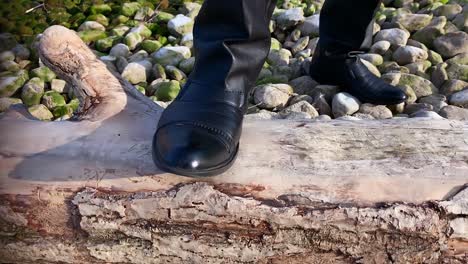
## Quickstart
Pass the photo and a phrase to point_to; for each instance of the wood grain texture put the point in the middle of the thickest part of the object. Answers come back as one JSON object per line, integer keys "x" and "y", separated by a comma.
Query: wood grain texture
{"x": 387, "y": 191}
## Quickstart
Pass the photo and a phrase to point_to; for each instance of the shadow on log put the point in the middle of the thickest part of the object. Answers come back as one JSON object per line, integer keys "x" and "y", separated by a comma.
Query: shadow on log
{"x": 86, "y": 191}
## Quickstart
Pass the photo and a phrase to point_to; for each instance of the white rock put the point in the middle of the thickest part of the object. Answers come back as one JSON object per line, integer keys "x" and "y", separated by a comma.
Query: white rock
{"x": 427, "y": 114}
{"x": 91, "y": 25}
{"x": 290, "y": 18}
{"x": 120, "y": 50}
{"x": 396, "y": 36}
{"x": 270, "y": 96}
{"x": 297, "y": 116}
{"x": 376, "y": 111}
{"x": 409, "y": 54}
{"x": 138, "y": 56}
{"x": 279, "y": 57}
{"x": 344, "y": 104}
{"x": 58, "y": 85}
{"x": 187, "y": 40}
{"x": 262, "y": 115}
{"x": 135, "y": 72}
{"x": 380, "y": 47}
{"x": 6, "y": 102}
{"x": 372, "y": 68}
{"x": 323, "y": 118}
{"x": 348, "y": 118}
{"x": 171, "y": 55}
{"x": 460, "y": 98}
{"x": 190, "y": 9}
{"x": 180, "y": 25}
{"x": 21, "y": 52}
{"x": 310, "y": 27}
{"x": 451, "y": 44}
{"x": 413, "y": 22}
{"x": 300, "y": 107}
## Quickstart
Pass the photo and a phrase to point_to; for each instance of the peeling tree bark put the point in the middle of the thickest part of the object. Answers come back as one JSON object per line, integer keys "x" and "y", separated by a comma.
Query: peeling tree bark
{"x": 86, "y": 191}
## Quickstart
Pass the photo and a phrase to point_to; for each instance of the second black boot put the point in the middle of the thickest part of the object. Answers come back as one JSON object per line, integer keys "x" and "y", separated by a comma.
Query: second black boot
{"x": 198, "y": 133}
{"x": 343, "y": 26}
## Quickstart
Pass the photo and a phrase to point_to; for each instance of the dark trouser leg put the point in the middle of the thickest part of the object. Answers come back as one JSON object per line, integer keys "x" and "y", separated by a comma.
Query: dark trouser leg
{"x": 343, "y": 25}
{"x": 232, "y": 41}
{"x": 198, "y": 134}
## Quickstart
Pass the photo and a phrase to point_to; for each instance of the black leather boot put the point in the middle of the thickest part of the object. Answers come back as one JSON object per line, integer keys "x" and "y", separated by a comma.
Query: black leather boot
{"x": 343, "y": 25}
{"x": 198, "y": 134}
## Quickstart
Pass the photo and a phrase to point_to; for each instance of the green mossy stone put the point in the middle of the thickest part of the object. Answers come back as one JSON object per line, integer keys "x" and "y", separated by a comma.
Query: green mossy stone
{"x": 187, "y": 65}
{"x": 159, "y": 72}
{"x": 132, "y": 23}
{"x": 273, "y": 79}
{"x": 7, "y": 74}
{"x": 141, "y": 89}
{"x": 153, "y": 98}
{"x": 142, "y": 30}
{"x": 409, "y": 92}
{"x": 74, "y": 104}
{"x": 163, "y": 17}
{"x": 44, "y": 73}
{"x": 25, "y": 31}
{"x": 174, "y": 73}
{"x": 389, "y": 12}
{"x": 41, "y": 112}
{"x": 151, "y": 46}
{"x": 132, "y": 40}
{"x": 77, "y": 19}
{"x": 163, "y": 40}
{"x": 32, "y": 91}
{"x": 62, "y": 111}
{"x": 167, "y": 90}
{"x": 10, "y": 66}
{"x": 143, "y": 13}
{"x": 105, "y": 44}
{"x": 171, "y": 55}
{"x": 459, "y": 59}
{"x": 58, "y": 15}
{"x": 8, "y": 41}
{"x": 275, "y": 44}
{"x": 100, "y": 9}
{"x": 9, "y": 84}
{"x": 100, "y": 18}
{"x": 158, "y": 29}
{"x": 129, "y": 9}
{"x": 53, "y": 99}
{"x": 6, "y": 102}
{"x": 457, "y": 72}
{"x": 310, "y": 10}
{"x": 421, "y": 87}
{"x": 89, "y": 36}
{"x": 120, "y": 19}
{"x": 119, "y": 30}
{"x": 434, "y": 57}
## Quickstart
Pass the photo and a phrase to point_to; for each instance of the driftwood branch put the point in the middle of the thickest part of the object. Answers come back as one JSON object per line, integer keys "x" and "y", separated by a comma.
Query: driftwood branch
{"x": 316, "y": 192}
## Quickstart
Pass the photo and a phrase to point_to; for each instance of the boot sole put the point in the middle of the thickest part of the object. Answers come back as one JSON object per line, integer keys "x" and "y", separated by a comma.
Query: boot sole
{"x": 158, "y": 161}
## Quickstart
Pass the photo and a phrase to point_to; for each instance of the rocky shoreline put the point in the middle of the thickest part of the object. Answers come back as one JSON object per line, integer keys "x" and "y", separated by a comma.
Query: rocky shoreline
{"x": 421, "y": 46}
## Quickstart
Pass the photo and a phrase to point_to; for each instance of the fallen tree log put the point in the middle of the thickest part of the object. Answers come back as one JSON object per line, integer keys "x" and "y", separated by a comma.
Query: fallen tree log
{"x": 86, "y": 191}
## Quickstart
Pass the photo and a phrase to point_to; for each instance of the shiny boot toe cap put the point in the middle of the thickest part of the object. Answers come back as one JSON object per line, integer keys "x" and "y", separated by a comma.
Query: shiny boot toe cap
{"x": 395, "y": 95}
{"x": 188, "y": 150}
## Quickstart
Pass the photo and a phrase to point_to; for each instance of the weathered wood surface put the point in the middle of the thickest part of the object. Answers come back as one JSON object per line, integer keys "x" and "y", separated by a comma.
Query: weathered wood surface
{"x": 300, "y": 192}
